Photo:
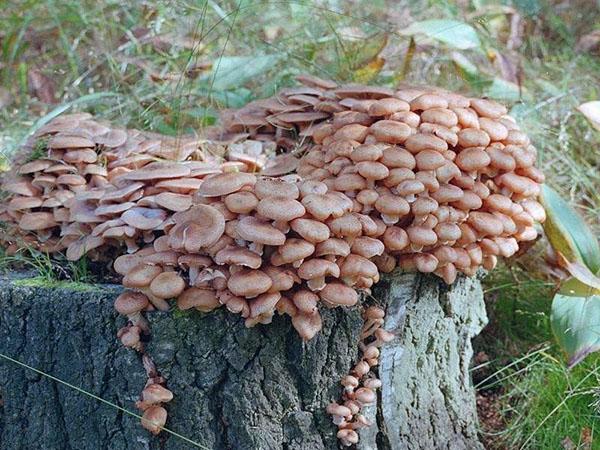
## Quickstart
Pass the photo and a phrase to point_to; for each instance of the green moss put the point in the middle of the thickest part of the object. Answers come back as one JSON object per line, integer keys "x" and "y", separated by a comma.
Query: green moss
{"x": 43, "y": 282}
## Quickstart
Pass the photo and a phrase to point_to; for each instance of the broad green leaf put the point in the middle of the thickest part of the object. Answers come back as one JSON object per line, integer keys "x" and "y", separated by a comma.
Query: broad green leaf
{"x": 591, "y": 110}
{"x": 231, "y": 72}
{"x": 575, "y": 288}
{"x": 503, "y": 90}
{"x": 576, "y": 325}
{"x": 451, "y": 32}
{"x": 567, "y": 232}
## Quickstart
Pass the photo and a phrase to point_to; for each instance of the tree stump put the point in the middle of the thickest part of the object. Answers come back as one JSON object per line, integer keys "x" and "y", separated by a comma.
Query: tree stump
{"x": 236, "y": 388}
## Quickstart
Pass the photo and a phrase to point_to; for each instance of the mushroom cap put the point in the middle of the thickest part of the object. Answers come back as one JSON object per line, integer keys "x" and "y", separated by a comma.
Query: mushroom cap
{"x": 61, "y": 141}
{"x": 367, "y": 247}
{"x": 37, "y": 165}
{"x": 264, "y": 304}
{"x": 155, "y": 393}
{"x": 421, "y": 236}
{"x": 418, "y": 142}
{"x": 275, "y": 187}
{"x": 307, "y": 325}
{"x": 282, "y": 279}
{"x": 225, "y": 183}
{"x": 174, "y": 202}
{"x": 280, "y": 208}
{"x": 318, "y": 268}
{"x": 199, "y": 227}
{"x": 395, "y": 239}
{"x": 180, "y": 185}
{"x": 204, "y": 300}
{"x": 241, "y": 202}
{"x": 23, "y": 187}
{"x": 355, "y": 266}
{"x": 255, "y": 230}
{"x": 154, "y": 419}
{"x": 167, "y": 285}
{"x": 338, "y": 410}
{"x": 472, "y": 159}
{"x": 306, "y": 301}
{"x": 238, "y": 256}
{"x": 131, "y": 302}
{"x": 311, "y": 230}
{"x": 141, "y": 275}
{"x": 157, "y": 170}
{"x": 295, "y": 249}
{"x": 333, "y": 246}
{"x": 280, "y": 165}
{"x": 144, "y": 218}
{"x": 20, "y": 203}
{"x": 81, "y": 246}
{"x": 390, "y": 131}
{"x": 338, "y": 294}
{"x": 33, "y": 221}
{"x": 249, "y": 283}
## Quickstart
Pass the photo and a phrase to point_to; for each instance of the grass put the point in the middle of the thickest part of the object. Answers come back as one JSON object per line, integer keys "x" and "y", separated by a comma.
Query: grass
{"x": 169, "y": 66}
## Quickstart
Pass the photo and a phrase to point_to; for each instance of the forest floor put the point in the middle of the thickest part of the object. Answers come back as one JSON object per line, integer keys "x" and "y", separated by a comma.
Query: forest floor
{"x": 168, "y": 66}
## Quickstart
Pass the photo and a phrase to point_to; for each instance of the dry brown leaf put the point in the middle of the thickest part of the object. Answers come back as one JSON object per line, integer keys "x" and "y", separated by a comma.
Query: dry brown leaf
{"x": 586, "y": 438}
{"x": 41, "y": 86}
{"x": 589, "y": 43}
{"x": 578, "y": 271}
{"x": 568, "y": 444}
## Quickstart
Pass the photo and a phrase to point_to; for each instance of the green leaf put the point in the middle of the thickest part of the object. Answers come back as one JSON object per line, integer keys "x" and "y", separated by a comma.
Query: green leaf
{"x": 503, "y": 90}
{"x": 567, "y": 232}
{"x": 451, "y": 32}
{"x": 233, "y": 71}
{"x": 576, "y": 325}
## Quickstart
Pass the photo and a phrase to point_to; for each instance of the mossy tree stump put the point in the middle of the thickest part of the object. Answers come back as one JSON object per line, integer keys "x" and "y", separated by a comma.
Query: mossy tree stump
{"x": 236, "y": 388}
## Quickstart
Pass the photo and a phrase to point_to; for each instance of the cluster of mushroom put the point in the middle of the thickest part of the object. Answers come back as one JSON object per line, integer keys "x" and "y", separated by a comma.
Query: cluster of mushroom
{"x": 132, "y": 305}
{"x": 360, "y": 384}
{"x": 91, "y": 186}
{"x": 369, "y": 179}
{"x": 452, "y": 178}
{"x": 258, "y": 246}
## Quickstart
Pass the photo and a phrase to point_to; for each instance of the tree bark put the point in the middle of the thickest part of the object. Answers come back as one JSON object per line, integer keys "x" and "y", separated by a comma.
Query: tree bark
{"x": 235, "y": 388}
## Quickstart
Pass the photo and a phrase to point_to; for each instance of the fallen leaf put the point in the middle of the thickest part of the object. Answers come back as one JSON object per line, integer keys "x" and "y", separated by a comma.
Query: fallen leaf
{"x": 586, "y": 438}
{"x": 41, "y": 86}
{"x": 591, "y": 111}
{"x": 368, "y": 72}
{"x": 568, "y": 444}
{"x": 509, "y": 66}
{"x": 589, "y": 43}
{"x": 578, "y": 271}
